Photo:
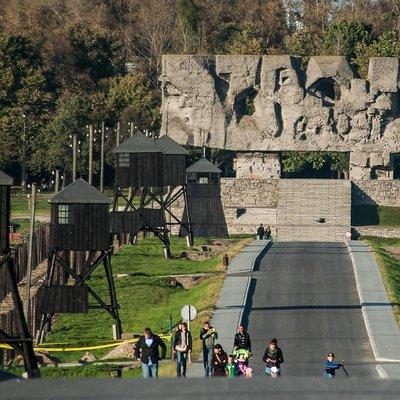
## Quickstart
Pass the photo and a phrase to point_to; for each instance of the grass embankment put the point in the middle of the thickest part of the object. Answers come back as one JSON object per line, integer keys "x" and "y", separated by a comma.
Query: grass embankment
{"x": 146, "y": 299}
{"x": 387, "y": 253}
{"x": 375, "y": 215}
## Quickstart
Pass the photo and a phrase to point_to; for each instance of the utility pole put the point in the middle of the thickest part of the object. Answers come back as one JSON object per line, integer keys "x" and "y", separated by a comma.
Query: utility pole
{"x": 74, "y": 155}
{"x": 23, "y": 163}
{"x": 30, "y": 248}
{"x": 103, "y": 128}
{"x": 57, "y": 181}
{"x": 90, "y": 180}
{"x": 118, "y": 133}
{"x": 132, "y": 130}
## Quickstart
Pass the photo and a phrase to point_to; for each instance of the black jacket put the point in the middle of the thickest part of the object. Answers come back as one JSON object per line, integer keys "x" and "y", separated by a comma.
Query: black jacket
{"x": 242, "y": 341}
{"x": 178, "y": 340}
{"x": 278, "y": 357}
{"x": 218, "y": 363}
{"x": 145, "y": 352}
{"x": 261, "y": 231}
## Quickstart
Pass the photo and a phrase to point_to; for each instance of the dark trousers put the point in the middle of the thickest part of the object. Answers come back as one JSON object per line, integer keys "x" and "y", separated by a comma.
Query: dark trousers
{"x": 181, "y": 364}
{"x": 207, "y": 355}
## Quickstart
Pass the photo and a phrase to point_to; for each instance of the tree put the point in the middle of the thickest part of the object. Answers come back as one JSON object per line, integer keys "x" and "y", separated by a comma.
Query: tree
{"x": 25, "y": 101}
{"x": 188, "y": 16}
{"x": 95, "y": 53}
{"x": 243, "y": 42}
{"x": 343, "y": 38}
{"x": 387, "y": 45}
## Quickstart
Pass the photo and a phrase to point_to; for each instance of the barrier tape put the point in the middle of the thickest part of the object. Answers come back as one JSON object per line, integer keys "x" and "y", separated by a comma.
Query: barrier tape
{"x": 47, "y": 347}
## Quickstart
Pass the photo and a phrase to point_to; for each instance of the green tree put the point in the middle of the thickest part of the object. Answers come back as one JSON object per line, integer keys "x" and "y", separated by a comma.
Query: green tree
{"x": 304, "y": 42}
{"x": 386, "y": 45}
{"x": 188, "y": 17}
{"x": 244, "y": 42}
{"x": 97, "y": 54}
{"x": 342, "y": 38}
{"x": 25, "y": 102}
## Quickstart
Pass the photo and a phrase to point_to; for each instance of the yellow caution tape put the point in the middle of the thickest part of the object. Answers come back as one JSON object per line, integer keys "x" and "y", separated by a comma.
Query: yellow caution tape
{"x": 47, "y": 347}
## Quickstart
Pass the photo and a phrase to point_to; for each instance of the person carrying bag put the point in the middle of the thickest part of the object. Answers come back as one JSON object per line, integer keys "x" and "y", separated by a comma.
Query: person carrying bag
{"x": 182, "y": 346}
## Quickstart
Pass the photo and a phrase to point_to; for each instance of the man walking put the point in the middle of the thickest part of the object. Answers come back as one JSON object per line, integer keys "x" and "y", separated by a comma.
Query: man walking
{"x": 208, "y": 336}
{"x": 260, "y": 232}
{"x": 242, "y": 340}
{"x": 147, "y": 349}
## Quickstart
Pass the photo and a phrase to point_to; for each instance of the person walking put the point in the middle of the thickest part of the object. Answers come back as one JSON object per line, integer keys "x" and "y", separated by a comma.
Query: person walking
{"x": 273, "y": 358}
{"x": 147, "y": 350}
{"x": 268, "y": 232}
{"x": 260, "y": 232}
{"x": 219, "y": 361}
{"x": 182, "y": 346}
{"x": 331, "y": 366}
{"x": 208, "y": 336}
{"x": 242, "y": 340}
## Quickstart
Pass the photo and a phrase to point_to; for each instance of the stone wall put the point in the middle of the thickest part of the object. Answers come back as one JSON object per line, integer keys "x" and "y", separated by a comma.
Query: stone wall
{"x": 377, "y": 231}
{"x": 313, "y": 209}
{"x": 257, "y": 165}
{"x": 270, "y": 103}
{"x": 384, "y": 193}
{"x": 247, "y": 203}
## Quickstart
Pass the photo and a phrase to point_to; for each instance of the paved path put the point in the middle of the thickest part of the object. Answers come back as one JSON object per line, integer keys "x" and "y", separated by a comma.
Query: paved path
{"x": 232, "y": 299}
{"x": 305, "y": 295}
{"x": 381, "y": 324}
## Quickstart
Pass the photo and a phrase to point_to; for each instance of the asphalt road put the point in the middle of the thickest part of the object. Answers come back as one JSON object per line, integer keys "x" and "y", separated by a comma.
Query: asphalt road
{"x": 305, "y": 295}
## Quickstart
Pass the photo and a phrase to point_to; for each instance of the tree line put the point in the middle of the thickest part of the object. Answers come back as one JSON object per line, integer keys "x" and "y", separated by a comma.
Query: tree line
{"x": 63, "y": 64}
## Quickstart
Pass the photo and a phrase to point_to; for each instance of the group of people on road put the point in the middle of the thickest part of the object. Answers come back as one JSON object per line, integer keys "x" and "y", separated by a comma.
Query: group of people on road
{"x": 150, "y": 349}
{"x": 264, "y": 233}
{"x": 218, "y": 363}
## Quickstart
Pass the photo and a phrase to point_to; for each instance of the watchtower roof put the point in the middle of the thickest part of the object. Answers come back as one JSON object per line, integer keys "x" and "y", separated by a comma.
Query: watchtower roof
{"x": 203, "y": 165}
{"x": 138, "y": 143}
{"x": 170, "y": 146}
{"x": 5, "y": 180}
{"x": 80, "y": 192}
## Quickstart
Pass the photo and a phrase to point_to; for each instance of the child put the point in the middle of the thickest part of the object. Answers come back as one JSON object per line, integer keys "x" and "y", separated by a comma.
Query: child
{"x": 232, "y": 367}
{"x": 243, "y": 352}
{"x": 331, "y": 366}
{"x": 243, "y": 366}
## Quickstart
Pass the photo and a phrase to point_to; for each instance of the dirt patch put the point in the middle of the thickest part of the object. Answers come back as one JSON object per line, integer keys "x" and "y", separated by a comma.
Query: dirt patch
{"x": 215, "y": 248}
{"x": 394, "y": 251}
{"x": 124, "y": 350}
{"x": 188, "y": 282}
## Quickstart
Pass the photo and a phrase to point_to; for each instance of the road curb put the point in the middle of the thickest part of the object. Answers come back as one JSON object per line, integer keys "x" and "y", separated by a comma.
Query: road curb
{"x": 232, "y": 300}
{"x": 380, "y": 322}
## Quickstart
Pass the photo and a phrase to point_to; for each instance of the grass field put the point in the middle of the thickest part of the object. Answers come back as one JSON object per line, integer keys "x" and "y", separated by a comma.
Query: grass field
{"x": 146, "y": 299}
{"x": 388, "y": 258}
{"x": 375, "y": 215}
{"x": 20, "y": 205}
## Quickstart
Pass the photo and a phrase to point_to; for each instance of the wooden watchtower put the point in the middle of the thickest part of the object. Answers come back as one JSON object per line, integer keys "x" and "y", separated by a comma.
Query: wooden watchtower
{"x": 204, "y": 200}
{"x": 174, "y": 182}
{"x": 20, "y": 341}
{"x": 80, "y": 222}
{"x": 147, "y": 173}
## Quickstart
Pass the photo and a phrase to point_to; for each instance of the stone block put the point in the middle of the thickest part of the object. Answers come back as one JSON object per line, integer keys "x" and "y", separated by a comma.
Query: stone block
{"x": 375, "y": 160}
{"x": 336, "y": 67}
{"x": 383, "y": 74}
{"x": 360, "y": 173}
{"x": 359, "y": 159}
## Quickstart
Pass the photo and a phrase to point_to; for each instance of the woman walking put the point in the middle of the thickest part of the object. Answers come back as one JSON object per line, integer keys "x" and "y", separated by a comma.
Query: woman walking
{"x": 273, "y": 359}
{"x": 219, "y": 361}
{"x": 182, "y": 347}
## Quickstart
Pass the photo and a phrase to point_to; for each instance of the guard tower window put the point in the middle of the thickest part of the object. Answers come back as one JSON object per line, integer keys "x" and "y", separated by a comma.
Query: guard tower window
{"x": 214, "y": 177}
{"x": 64, "y": 214}
{"x": 123, "y": 160}
{"x": 192, "y": 177}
